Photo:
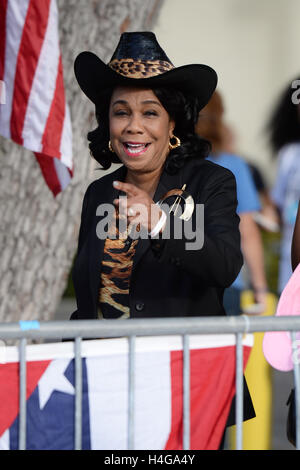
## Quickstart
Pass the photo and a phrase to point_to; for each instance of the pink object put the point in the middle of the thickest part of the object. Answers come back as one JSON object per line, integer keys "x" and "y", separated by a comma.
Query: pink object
{"x": 277, "y": 345}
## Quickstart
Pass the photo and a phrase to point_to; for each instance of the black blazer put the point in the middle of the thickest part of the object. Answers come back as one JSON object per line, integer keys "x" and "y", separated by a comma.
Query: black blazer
{"x": 167, "y": 279}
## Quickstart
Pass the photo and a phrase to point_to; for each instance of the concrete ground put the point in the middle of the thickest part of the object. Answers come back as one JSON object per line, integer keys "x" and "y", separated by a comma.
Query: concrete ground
{"x": 282, "y": 384}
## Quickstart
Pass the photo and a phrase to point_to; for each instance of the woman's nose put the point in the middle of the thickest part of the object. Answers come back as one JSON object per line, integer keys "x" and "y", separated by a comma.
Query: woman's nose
{"x": 134, "y": 125}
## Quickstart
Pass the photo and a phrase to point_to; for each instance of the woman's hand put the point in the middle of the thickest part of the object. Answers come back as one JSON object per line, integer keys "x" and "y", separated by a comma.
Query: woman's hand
{"x": 138, "y": 206}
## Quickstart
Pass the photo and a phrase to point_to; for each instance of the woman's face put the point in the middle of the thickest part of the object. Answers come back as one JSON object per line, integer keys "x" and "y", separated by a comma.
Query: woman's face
{"x": 140, "y": 129}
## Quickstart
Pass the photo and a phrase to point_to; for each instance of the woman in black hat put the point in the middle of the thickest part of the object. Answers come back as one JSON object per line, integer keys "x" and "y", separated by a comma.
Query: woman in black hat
{"x": 146, "y": 110}
{"x": 146, "y": 246}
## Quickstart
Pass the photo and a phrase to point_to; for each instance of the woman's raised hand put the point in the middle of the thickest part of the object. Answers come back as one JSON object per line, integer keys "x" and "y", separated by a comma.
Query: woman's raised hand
{"x": 138, "y": 206}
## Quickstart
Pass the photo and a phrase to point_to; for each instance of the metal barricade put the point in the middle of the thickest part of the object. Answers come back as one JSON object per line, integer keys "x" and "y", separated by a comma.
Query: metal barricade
{"x": 87, "y": 329}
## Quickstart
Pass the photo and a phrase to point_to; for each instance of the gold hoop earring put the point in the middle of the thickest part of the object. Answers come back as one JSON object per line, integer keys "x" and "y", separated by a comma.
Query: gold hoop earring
{"x": 177, "y": 143}
{"x": 110, "y": 147}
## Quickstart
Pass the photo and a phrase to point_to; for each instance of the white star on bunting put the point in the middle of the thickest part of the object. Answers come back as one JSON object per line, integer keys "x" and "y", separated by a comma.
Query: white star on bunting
{"x": 54, "y": 379}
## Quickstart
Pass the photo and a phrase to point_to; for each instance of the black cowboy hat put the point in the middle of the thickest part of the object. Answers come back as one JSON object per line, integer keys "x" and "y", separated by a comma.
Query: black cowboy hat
{"x": 140, "y": 61}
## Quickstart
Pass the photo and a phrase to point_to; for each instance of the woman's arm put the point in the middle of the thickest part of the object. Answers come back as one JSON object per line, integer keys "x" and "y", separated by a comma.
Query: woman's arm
{"x": 296, "y": 242}
{"x": 252, "y": 248}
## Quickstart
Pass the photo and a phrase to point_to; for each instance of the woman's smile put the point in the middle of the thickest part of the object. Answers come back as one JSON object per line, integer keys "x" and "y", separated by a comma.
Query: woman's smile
{"x": 135, "y": 149}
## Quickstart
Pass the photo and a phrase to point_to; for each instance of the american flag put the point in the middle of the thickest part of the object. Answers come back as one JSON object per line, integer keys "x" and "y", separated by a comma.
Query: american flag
{"x": 33, "y": 108}
{"x": 158, "y": 387}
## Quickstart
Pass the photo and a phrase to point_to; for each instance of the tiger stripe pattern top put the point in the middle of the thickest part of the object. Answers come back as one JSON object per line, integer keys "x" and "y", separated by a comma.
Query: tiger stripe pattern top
{"x": 115, "y": 274}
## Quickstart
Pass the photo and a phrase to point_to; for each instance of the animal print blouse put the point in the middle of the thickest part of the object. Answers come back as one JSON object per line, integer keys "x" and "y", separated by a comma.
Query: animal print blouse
{"x": 115, "y": 275}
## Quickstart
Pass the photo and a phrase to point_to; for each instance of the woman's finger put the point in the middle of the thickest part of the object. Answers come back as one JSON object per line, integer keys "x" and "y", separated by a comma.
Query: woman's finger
{"x": 125, "y": 209}
{"x": 127, "y": 188}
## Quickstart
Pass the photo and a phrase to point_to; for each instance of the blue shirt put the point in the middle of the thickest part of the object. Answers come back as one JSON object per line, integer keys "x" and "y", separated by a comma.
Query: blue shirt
{"x": 248, "y": 200}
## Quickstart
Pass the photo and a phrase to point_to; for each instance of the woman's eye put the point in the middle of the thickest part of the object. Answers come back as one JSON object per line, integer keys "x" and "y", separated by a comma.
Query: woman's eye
{"x": 120, "y": 112}
{"x": 150, "y": 112}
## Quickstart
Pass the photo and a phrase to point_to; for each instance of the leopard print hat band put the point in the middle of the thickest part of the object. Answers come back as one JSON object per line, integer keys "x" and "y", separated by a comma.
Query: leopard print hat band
{"x": 139, "y": 68}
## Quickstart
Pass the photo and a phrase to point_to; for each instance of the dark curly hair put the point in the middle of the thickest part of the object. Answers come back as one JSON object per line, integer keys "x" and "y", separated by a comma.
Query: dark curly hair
{"x": 183, "y": 109}
{"x": 284, "y": 124}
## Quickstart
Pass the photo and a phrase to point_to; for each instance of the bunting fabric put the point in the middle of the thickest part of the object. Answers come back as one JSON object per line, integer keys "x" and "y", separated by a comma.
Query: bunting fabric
{"x": 33, "y": 108}
{"x": 158, "y": 388}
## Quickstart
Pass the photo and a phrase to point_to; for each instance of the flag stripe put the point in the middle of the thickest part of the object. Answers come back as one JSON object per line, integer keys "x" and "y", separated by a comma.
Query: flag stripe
{"x": 15, "y": 17}
{"x": 212, "y": 385}
{"x": 54, "y": 126}
{"x": 43, "y": 87}
{"x": 31, "y": 43}
{"x": 109, "y": 404}
{"x": 66, "y": 141}
{"x": 47, "y": 166}
{"x": 216, "y": 388}
{"x": 3, "y": 7}
{"x": 175, "y": 438}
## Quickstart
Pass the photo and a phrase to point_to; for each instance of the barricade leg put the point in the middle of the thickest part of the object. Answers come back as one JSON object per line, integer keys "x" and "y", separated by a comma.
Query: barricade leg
{"x": 297, "y": 389}
{"x": 22, "y": 394}
{"x": 186, "y": 393}
{"x": 78, "y": 395}
{"x": 131, "y": 385}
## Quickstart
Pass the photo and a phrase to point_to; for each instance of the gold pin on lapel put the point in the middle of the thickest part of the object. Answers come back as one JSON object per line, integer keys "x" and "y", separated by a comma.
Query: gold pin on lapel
{"x": 188, "y": 200}
{"x": 177, "y": 201}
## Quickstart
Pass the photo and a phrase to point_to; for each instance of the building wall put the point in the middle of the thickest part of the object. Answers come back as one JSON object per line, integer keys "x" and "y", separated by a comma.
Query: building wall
{"x": 254, "y": 47}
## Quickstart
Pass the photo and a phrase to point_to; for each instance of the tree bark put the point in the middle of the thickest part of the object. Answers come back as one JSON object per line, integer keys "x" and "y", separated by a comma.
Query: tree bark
{"x": 38, "y": 233}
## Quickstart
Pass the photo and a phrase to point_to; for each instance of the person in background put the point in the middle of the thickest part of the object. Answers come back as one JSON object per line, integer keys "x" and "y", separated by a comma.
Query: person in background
{"x": 212, "y": 126}
{"x": 267, "y": 216}
{"x": 284, "y": 133}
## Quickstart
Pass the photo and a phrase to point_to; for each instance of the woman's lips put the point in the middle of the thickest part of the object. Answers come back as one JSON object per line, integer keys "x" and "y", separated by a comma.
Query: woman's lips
{"x": 135, "y": 148}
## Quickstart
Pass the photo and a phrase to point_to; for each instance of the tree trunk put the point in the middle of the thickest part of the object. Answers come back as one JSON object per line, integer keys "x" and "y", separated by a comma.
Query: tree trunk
{"x": 38, "y": 234}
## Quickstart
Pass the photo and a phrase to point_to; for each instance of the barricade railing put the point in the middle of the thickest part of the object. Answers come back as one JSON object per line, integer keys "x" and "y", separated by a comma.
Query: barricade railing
{"x": 92, "y": 329}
